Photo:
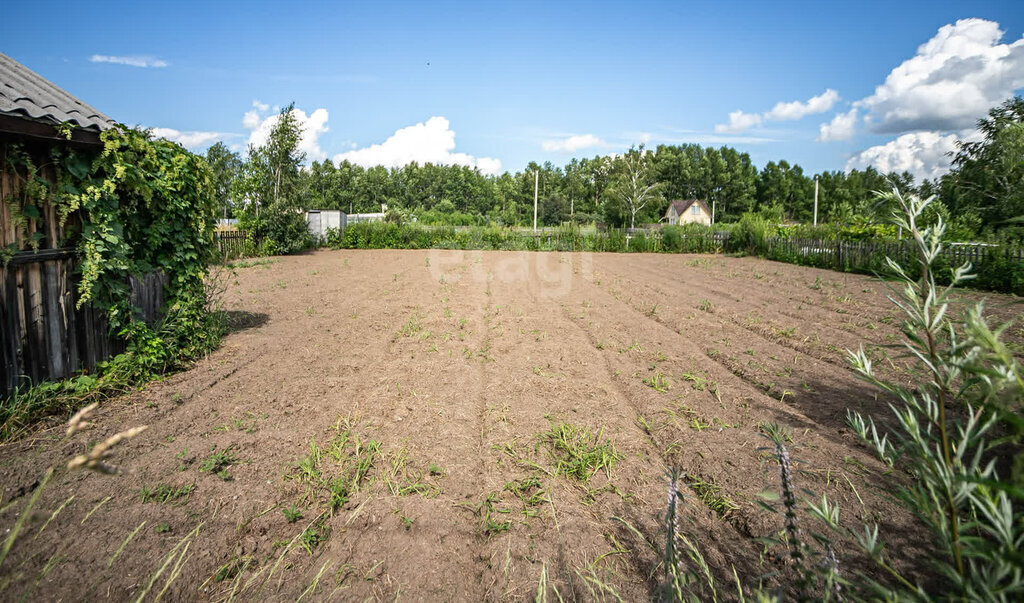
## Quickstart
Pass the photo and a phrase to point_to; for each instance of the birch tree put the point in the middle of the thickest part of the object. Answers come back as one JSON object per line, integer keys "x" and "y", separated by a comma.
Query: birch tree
{"x": 637, "y": 186}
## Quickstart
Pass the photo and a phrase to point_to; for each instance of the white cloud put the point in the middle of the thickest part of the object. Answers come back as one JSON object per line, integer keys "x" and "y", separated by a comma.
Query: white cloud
{"x": 791, "y": 111}
{"x": 133, "y": 61}
{"x": 798, "y": 110}
{"x": 934, "y": 98}
{"x": 430, "y": 142}
{"x": 923, "y": 154}
{"x": 739, "y": 121}
{"x": 952, "y": 81}
{"x": 313, "y": 126}
{"x": 841, "y": 127}
{"x": 189, "y": 140}
{"x": 572, "y": 144}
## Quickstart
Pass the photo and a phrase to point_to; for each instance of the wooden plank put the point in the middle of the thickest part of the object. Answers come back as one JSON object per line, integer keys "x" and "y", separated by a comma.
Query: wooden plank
{"x": 56, "y": 367}
{"x": 68, "y": 310}
{"x": 8, "y": 334}
{"x": 37, "y": 315}
{"x": 29, "y": 342}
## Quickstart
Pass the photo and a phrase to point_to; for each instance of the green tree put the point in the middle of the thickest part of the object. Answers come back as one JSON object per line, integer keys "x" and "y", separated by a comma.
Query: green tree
{"x": 636, "y": 186}
{"x": 226, "y": 166}
{"x": 319, "y": 185}
{"x": 270, "y": 188}
{"x": 988, "y": 175}
{"x": 784, "y": 184}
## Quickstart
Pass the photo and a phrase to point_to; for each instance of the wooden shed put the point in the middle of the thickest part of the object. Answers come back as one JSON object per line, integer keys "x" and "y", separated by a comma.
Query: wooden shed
{"x": 43, "y": 336}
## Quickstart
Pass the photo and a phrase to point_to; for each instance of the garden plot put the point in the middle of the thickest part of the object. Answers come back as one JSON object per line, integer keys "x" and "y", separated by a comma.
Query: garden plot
{"x": 468, "y": 425}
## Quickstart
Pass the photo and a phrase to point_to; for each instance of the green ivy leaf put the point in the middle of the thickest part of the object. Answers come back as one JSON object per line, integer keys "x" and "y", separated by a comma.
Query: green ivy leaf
{"x": 77, "y": 165}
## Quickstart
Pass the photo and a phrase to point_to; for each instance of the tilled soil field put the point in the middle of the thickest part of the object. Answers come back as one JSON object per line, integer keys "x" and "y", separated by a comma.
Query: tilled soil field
{"x": 447, "y": 425}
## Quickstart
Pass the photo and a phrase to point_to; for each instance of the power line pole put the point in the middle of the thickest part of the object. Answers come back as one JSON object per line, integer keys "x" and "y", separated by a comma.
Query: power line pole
{"x": 815, "y": 199}
{"x": 536, "y": 181}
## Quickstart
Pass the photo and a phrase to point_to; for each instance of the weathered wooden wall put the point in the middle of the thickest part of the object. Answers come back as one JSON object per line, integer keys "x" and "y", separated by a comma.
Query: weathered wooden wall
{"x": 43, "y": 336}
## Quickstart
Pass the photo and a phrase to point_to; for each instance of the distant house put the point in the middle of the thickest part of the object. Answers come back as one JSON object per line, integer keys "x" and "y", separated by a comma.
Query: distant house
{"x": 689, "y": 211}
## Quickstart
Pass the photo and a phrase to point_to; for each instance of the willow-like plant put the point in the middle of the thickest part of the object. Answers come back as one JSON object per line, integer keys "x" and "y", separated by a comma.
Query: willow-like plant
{"x": 951, "y": 429}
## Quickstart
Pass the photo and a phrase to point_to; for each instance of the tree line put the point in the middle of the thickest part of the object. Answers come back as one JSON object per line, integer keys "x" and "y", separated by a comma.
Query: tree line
{"x": 982, "y": 195}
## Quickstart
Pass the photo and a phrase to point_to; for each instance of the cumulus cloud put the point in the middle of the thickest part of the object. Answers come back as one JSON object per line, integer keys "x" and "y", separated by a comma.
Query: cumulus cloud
{"x": 739, "y": 121}
{"x": 572, "y": 144}
{"x": 432, "y": 141}
{"x": 189, "y": 140}
{"x": 132, "y": 61}
{"x": 795, "y": 110}
{"x": 950, "y": 83}
{"x": 791, "y": 111}
{"x": 260, "y": 123}
{"x": 923, "y": 154}
{"x": 841, "y": 127}
{"x": 934, "y": 98}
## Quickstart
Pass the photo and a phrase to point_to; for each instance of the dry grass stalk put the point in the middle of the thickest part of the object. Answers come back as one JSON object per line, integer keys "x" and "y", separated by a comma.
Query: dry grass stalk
{"x": 94, "y": 459}
{"x": 78, "y": 422}
{"x": 55, "y": 513}
{"x": 96, "y": 508}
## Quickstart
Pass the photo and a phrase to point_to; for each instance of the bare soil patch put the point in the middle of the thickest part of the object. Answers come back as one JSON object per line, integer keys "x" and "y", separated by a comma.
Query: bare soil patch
{"x": 392, "y": 424}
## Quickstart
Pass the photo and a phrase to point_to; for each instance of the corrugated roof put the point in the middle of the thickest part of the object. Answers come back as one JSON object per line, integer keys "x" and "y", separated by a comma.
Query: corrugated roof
{"x": 24, "y": 93}
{"x": 681, "y": 206}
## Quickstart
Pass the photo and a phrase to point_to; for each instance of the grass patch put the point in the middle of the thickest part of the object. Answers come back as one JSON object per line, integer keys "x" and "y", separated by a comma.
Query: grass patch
{"x": 251, "y": 263}
{"x": 165, "y": 493}
{"x": 485, "y": 511}
{"x": 577, "y": 452}
{"x": 711, "y": 495}
{"x": 530, "y": 492}
{"x": 218, "y": 463}
{"x": 658, "y": 382}
{"x": 338, "y": 469}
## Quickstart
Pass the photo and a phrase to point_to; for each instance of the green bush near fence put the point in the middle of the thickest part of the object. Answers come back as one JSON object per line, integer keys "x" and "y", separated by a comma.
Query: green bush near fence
{"x": 1000, "y": 273}
{"x": 383, "y": 235}
{"x": 753, "y": 234}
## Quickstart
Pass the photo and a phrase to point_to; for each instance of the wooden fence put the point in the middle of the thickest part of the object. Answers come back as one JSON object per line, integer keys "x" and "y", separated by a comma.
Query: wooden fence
{"x": 234, "y": 243}
{"x": 868, "y": 255}
{"x": 43, "y": 336}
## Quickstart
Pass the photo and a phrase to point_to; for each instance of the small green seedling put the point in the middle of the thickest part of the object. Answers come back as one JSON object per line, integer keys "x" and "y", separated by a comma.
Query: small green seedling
{"x": 292, "y": 514}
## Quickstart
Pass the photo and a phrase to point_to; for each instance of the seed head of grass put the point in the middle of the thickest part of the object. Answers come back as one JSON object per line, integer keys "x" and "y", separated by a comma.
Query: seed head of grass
{"x": 78, "y": 421}
{"x": 95, "y": 459}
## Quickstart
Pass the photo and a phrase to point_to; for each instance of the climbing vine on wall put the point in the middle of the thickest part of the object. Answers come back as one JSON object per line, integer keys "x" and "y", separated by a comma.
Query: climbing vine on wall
{"x": 134, "y": 207}
{"x": 149, "y": 206}
{"x": 145, "y": 205}
{"x": 32, "y": 190}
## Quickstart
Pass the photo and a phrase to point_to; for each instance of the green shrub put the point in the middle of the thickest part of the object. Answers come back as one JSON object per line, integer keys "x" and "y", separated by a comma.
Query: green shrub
{"x": 750, "y": 233}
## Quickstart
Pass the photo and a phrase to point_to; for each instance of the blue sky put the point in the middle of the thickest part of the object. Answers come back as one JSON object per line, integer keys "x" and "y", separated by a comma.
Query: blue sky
{"x": 497, "y": 85}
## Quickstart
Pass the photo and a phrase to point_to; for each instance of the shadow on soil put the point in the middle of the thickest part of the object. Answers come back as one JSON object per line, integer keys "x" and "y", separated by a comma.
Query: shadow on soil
{"x": 237, "y": 320}
{"x": 825, "y": 409}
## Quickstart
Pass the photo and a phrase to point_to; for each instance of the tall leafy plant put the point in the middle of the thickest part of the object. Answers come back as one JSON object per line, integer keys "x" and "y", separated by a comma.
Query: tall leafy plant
{"x": 951, "y": 429}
